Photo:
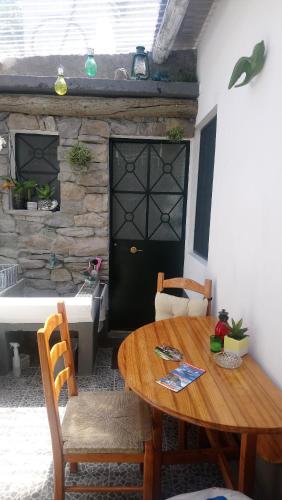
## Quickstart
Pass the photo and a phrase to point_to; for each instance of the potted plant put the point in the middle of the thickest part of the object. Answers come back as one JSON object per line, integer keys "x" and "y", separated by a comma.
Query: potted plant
{"x": 236, "y": 341}
{"x": 79, "y": 157}
{"x": 29, "y": 186}
{"x": 45, "y": 194}
{"x": 17, "y": 189}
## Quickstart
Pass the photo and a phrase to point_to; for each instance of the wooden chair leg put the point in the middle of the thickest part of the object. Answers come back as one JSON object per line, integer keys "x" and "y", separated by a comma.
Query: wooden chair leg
{"x": 157, "y": 444}
{"x": 73, "y": 467}
{"x": 148, "y": 475}
{"x": 59, "y": 478}
{"x": 181, "y": 435}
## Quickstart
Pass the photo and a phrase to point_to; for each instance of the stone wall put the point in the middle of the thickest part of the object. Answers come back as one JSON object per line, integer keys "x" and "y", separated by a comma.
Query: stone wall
{"x": 80, "y": 230}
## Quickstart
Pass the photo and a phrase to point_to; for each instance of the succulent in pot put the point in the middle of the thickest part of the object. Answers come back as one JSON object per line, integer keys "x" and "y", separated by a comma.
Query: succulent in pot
{"x": 17, "y": 189}
{"x": 45, "y": 194}
{"x": 236, "y": 341}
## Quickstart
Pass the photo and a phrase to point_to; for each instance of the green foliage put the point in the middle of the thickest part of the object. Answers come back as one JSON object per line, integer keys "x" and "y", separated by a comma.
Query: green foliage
{"x": 80, "y": 156}
{"x": 175, "y": 134}
{"x": 236, "y": 331}
{"x": 45, "y": 192}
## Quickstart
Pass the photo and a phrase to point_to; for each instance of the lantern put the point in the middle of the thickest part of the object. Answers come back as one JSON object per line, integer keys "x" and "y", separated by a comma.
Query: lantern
{"x": 140, "y": 64}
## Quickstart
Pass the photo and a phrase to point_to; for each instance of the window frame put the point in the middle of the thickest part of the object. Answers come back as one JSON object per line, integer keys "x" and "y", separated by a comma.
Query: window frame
{"x": 205, "y": 123}
{"x": 12, "y": 148}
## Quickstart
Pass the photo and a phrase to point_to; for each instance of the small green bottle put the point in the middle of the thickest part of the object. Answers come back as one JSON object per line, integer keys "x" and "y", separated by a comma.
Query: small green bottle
{"x": 60, "y": 86}
{"x": 90, "y": 64}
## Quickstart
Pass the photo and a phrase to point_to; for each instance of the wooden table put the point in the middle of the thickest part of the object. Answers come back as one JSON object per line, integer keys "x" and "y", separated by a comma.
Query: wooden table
{"x": 243, "y": 401}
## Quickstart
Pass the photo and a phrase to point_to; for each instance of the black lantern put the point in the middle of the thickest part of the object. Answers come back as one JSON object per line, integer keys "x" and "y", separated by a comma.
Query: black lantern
{"x": 140, "y": 64}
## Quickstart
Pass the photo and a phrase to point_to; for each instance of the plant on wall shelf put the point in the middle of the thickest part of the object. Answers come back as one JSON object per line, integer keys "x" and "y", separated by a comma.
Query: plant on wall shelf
{"x": 175, "y": 134}
{"x": 45, "y": 194}
{"x": 79, "y": 157}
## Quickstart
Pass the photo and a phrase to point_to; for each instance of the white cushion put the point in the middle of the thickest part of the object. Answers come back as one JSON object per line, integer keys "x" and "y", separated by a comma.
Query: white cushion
{"x": 211, "y": 493}
{"x": 169, "y": 306}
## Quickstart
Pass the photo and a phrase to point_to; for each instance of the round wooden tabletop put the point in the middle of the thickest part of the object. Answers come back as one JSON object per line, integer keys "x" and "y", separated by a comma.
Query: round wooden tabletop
{"x": 239, "y": 400}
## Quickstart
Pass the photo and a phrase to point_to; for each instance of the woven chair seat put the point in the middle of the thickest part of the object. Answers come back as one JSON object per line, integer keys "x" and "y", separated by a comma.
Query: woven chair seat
{"x": 106, "y": 422}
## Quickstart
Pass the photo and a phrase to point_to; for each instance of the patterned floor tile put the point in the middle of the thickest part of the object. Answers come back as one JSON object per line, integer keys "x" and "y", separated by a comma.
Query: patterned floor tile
{"x": 26, "y": 453}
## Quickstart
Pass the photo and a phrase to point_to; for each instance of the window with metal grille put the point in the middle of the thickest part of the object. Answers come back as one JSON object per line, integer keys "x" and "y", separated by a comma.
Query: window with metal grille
{"x": 204, "y": 189}
{"x": 36, "y": 159}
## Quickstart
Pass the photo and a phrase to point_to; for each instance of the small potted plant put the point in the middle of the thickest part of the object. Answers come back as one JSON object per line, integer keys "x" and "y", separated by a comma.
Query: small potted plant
{"x": 79, "y": 157}
{"x": 45, "y": 194}
{"x": 236, "y": 341}
{"x": 17, "y": 188}
{"x": 29, "y": 186}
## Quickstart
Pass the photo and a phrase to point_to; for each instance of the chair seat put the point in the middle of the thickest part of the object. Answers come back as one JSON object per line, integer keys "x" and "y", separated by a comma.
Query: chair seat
{"x": 212, "y": 493}
{"x": 106, "y": 422}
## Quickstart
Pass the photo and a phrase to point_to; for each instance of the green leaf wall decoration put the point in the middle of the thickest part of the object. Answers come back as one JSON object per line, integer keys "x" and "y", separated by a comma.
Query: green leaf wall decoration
{"x": 251, "y": 66}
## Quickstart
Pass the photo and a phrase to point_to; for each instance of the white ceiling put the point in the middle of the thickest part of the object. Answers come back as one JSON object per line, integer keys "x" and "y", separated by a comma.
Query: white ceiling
{"x": 46, "y": 27}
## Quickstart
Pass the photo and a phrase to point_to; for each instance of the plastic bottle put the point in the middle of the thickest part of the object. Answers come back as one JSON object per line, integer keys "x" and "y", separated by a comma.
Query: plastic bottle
{"x": 16, "y": 359}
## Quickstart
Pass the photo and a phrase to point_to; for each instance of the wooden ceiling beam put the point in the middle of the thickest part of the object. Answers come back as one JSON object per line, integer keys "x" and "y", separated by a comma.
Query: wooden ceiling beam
{"x": 172, "y": 20}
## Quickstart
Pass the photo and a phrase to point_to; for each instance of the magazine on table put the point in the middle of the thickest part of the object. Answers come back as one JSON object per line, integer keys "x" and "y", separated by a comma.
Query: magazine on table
{"x": 182, "y": 376}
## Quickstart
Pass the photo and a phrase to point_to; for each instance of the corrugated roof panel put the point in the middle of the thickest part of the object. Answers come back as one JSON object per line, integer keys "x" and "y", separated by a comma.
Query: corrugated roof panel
{"x": 36, "y": 27}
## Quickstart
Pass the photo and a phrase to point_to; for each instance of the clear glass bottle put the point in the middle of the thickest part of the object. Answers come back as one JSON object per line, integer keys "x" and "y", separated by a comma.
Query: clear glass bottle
{"x": 60, "y": 86}
{"x": 90, "y": 64}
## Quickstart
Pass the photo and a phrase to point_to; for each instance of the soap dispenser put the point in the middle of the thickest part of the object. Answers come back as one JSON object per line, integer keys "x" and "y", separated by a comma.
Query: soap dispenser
{"x": 16, "y": 359}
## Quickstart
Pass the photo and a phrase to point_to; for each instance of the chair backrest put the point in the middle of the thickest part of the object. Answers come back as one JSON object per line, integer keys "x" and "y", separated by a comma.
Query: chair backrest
{"x": 187, "y": 284}
{"x": 48, "y": 359}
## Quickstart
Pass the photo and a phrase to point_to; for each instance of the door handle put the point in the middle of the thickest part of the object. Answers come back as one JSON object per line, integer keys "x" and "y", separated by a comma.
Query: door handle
{"x": 134, "y": 250}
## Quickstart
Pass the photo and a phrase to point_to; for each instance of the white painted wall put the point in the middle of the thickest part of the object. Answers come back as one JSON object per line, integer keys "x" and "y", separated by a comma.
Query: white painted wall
{"x": 245, "y": 248}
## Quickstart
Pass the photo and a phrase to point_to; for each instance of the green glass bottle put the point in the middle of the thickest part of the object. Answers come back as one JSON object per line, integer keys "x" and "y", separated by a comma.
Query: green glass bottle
{"x": 60, "y": 86}
{"x": 90, "y": 64}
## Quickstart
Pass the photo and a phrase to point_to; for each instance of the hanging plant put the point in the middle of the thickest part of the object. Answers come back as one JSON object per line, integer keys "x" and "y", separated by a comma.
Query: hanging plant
{"x": 79, "y": 157}
{"x": 175, "y": 134}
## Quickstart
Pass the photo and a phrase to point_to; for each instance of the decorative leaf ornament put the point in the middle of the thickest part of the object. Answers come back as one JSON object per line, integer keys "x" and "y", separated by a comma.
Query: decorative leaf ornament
{"x": 251, "y": 66}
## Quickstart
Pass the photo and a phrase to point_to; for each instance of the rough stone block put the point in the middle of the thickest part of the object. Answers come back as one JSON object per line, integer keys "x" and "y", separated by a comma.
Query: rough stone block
{"x": 27, "y": 227}
{"x": 102, "y": 231}
{"x": 94, "y": 127}
{"x": 96, "y": 189}
{"x": 59, "y": 219}
{"x": 60, "y": 274}
{"x": 91, "y": 220}
{"x": 71, "y": 191}
{"x": 40, "y": 284}
{"x": 30, "y": 291}
{"x": 123, "y": 127}
{"x": 61, "y": 245}
{"x": 31, "y": 263}
{"x": 89, "y": 246}
{"x": 96, "y": 139}
{"x": 7, "y": 223}
{"x": 36, "y": 242}
{"x": 76, "y": 232}
{"x": 72, "y": 207}
{"x": 19, "y": 121}
{"x": 67, "y": 142}
{"x": 8, "y": 239}
{"x": 8, "y": 252}
{"x": 96, "y": 202}
{"x": 37, "y": 273}
{"x": 68, "y": 127}
{"x": 98, "y": 178}
{"x": 47, "y": 123}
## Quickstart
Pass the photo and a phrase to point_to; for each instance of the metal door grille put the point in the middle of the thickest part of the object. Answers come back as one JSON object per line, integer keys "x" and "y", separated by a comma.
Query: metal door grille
{"x": 36, "y": 158}
{"x": 148, "y": 190}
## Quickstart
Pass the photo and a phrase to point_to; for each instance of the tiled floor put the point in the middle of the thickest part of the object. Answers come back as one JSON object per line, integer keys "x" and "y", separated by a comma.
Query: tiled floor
{"x": 26, "y": 459}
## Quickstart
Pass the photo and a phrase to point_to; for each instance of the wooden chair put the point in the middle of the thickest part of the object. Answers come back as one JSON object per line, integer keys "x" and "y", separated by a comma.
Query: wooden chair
{"x": 206, "y": 291}
{"x": 106, "y": 426}
{"x": 187, "y": 284}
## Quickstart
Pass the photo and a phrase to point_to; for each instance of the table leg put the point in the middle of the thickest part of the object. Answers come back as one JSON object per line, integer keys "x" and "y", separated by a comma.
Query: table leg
{"x": 247, "y": 463}
{"x": 157, "y": 443}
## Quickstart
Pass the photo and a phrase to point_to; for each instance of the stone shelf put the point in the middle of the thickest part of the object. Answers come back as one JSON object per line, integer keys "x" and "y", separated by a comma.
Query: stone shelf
{"x": 44, "y": 85}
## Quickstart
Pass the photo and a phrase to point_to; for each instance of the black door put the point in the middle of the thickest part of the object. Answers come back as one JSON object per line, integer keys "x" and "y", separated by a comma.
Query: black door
{"x": 148, "y": 212}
